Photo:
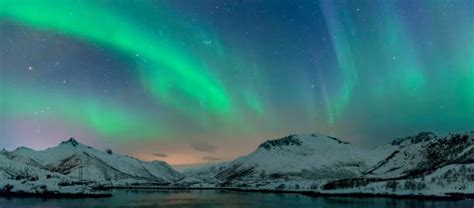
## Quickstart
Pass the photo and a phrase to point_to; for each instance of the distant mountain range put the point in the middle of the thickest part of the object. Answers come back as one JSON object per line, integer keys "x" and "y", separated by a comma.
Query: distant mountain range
{"x": 424, "y": 164}
{"x": 71, "y": 165}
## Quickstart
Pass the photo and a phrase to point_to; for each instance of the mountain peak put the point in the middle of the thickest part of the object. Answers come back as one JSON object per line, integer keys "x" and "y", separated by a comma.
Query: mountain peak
{"x": 298, "y": 140}
{"x": 420, "y": 137}
{"x": 285, "y": 141}
{"x": 71, "y": 141}
{"x": 23, "y": 149}
{"x": 338, "y": 140}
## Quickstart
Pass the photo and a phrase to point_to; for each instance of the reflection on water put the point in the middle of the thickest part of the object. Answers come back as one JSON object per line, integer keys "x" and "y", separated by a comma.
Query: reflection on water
{"x": 226, "y": 199}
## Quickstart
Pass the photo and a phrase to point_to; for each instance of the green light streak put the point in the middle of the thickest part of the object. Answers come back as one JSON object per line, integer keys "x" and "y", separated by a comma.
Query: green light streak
{"x": 171, "y": 64}
{"x": 254, "y": 103}
{"x": 400, "y": 55}
{"x": 107, "y": 119}
{"x": 339, "y": 101}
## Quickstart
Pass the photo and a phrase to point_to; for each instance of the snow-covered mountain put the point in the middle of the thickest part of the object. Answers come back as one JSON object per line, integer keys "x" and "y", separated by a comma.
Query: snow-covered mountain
{"x": 18, "y": 177}
{"x": 422, "y": 154}
{"x": 325, "y": 164}
{"x": 424, "y": 164}
{"x": 305, "y": 156}
{"x": 78, "y": 161}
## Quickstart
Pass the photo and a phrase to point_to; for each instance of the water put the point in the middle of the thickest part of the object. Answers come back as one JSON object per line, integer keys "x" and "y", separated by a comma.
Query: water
{"x": 224, "y": 199}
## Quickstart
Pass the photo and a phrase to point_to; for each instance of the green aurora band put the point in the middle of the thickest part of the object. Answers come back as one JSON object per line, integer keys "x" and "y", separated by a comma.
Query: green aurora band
{"x": 107, "y": 119}
{"x": 177, "y": 68}
{"x": 377, "y": 67}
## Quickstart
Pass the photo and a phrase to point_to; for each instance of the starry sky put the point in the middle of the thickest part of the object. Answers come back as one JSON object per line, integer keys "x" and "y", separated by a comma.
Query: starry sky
{"x": 203, "y": 81}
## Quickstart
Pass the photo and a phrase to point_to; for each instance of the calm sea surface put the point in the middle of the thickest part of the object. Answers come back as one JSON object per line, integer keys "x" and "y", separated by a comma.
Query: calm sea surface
{"x": 225, "y": 199}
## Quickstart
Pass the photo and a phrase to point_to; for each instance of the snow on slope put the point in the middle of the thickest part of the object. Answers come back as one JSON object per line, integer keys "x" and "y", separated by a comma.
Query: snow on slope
{"x": 422, "y": 154}
{"x": 305, "y": 156}
{"x": 71, "y": 158}
{"x": 425, "y": 164}
{"x": 19, "y": 177}
{"x": 454, "y": 178}
{"x": 10, "y": 169}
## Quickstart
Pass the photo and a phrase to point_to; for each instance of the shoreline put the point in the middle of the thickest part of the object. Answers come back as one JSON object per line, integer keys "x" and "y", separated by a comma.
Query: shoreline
{"x": 53, "y": 195}
{"x": 447, "y": 197}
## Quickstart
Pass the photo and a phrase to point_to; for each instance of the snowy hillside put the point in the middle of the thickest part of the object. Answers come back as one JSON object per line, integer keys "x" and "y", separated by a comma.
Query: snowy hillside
{"x": 305, "y": 156}
{"x": 425, "y": 163}
{"x": 72, "y": 163}
{"x": 17, "y": 177}
{"x": 423, "y": 154}
{"x": 70, "y": 158}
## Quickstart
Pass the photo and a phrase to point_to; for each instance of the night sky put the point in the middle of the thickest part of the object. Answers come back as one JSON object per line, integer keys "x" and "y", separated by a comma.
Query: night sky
{"x": 195, "y": 81}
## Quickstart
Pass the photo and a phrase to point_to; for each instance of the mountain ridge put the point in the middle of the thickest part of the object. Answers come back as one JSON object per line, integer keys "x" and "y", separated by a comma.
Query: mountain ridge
{"x": 423, "y": 164}
{"x": 331, "y": 165}
{"x": 71, "y": 157}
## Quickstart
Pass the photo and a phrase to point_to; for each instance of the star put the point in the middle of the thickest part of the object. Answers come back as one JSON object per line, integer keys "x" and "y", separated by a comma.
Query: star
{"x": 30, "y": 68}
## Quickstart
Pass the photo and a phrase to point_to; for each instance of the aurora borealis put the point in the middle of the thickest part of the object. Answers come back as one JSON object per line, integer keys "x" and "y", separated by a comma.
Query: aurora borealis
{"x": 161, "y": 77}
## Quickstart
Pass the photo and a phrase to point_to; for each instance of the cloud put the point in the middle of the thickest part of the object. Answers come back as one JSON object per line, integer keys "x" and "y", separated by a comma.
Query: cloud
{"x": 212, "y": 159}
{"x": 159, "y": 154}
{"x": 203, "y": 147}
